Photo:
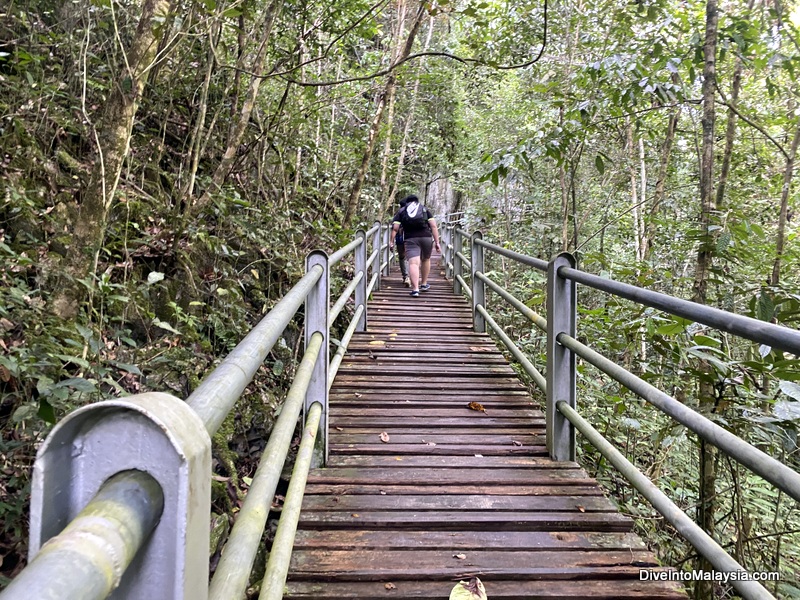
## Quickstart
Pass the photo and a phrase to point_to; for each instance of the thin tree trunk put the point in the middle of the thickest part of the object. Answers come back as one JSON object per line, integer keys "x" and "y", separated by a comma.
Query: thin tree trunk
{"x": 240, "y": 125}
{"x": 635, "y": 209}
{"x": 401, "y": 159}
{"x": 658, "y": 193}
{"x": 114, "y": 133}
{"x": 355, "y": 191}
{"x": 708, "y": 453}
{"x": 788, "y": 173}
{"x": 641, "y": 242}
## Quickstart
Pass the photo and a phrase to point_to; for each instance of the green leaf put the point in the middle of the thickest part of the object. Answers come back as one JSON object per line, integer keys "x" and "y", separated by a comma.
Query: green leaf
{"x": 765, "y": 308}
{"x": 599, "y": 164}
{"x": 126, "y": 367}
{"x": 46, "y": 411}
{"x": 232, "y": 13}
{"x": 78, "y": 384}
{"x": 791, "y": 389}
{"x": 154, "y": 277}
{"x": 468, "y": 590}
{"x": 24, "y": 412}
{"x": 671, "y": 329}
{"x": 277, "y": 368}
{"x": 75, "y": 360}
{"x": 165, "y": 325}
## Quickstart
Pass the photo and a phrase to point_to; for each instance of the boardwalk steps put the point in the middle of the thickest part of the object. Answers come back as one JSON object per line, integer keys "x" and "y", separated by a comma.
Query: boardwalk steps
{"x": 454, "y": 492}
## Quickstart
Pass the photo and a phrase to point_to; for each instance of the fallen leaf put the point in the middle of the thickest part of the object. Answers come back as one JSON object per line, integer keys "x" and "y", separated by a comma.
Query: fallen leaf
{"x": 383, "y": 493}
{"x": 479, "y": 456}
{"x": 6, "y": 324}
{"x": 384, "y": 437}
{"x": 339, "y": 429}
{"x": 354, "y": 515}
{"x": 377, "y": 343}
{"x": 390, "y": 586}
{"x": 581, "y": 508}
{"x": 480, "y": 349}
{"x": 357, "y": 395}
{"x": 516, "y": 443}
{"x": 469, "y": 590}
{"x": 460, "y": 556}
{"x": 477, "y": 406}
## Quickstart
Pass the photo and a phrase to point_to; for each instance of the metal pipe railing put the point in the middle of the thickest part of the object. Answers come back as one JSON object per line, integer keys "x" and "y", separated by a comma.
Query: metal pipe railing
{"x": 233, "y": 572}
{"x": 339, "y": 355}
{"x": 371, "y": 285}
{"x": 344, "y": 251}
{"x": 536, "y": 263}
{"x": 529, "y": 313}
{"x": 752, "y": 329}
{"x": 343, "y": 298}
{"x": 88, "y": 559}
{"x": 215, "y": 396}
{"x": 757, "y": 461}
{"x": 693, "y": 533}
{"x": 372, "y": 258}
{"x": 464, "y": 260}
{"x": 465, "y": 289}
{"x": 281, "y": 554}
{"x": 523, "y": 360}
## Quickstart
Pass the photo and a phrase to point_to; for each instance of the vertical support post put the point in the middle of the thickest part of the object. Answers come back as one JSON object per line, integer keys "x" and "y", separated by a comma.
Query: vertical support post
{"x": 457, "y": 266}
{"x": 447, "y": 239}
{"x": 317, "y": 303}
{"x": 361, "y": 288}
{"x": 377, "y": 242}
{"x": 478, "y": 287}
{"x": 561, "y": 318}
{"x": 388, "y": 257}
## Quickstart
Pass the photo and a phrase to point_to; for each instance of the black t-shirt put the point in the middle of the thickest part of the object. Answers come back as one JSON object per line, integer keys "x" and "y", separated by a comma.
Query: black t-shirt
{"x": 419, "y": 233}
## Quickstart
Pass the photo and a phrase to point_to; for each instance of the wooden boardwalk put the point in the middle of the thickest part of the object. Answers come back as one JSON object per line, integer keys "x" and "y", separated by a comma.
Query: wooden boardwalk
{"x": 421, "y": 491}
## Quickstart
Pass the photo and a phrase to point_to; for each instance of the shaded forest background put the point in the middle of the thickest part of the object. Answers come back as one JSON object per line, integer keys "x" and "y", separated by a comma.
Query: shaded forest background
{"x": 165, "y": 166}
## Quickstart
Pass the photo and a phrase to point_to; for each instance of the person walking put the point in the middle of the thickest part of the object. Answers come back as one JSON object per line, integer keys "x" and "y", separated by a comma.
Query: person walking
{"x": 401, "y": 251}
{"x": 420, "y": 235}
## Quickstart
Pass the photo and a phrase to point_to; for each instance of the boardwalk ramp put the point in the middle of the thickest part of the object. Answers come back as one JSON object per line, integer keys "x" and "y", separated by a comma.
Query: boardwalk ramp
{"x": 423, "y": 491}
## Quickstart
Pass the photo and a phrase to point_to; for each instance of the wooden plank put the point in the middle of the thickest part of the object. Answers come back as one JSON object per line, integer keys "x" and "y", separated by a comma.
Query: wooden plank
{"x": 465, "y": 502}
{"x": 467, "y": 540}
{"x": 441, "y": 438}
{"x": 468, "y": 521}
{"x": 496, "y": 589}
{"x": 572, "y": 488}
{"x": 424, "y": 477}
{"x": 420, "y": 565}
{"x": 450, "y": 462}
{"x": 448, "y": 449}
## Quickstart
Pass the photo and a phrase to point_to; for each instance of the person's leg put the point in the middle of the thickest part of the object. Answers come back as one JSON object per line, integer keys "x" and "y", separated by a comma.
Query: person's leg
{"x": 413, "y": 255}
{"x": 413, "y": 272}
{"x": 401, "y": 257}
{"x": 426, "y": 246}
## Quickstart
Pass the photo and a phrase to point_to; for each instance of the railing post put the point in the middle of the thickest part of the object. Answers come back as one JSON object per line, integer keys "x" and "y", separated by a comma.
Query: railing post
{"x": 561, "y": 317}
{"x": 361, "y": 289}
{"x": 317, "y": 303}
{"x": 154, "y": 433}
{"x": 447, "y": 238}
{"x": 377, "y": 243}
{"x": 386, "y": 237}
{"x": 457, "y": 266}
{"x": 478, "y": 287}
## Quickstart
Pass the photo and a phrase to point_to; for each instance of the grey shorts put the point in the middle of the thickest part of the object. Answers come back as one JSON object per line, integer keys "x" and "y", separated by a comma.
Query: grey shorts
{"x": 419, "y": 246}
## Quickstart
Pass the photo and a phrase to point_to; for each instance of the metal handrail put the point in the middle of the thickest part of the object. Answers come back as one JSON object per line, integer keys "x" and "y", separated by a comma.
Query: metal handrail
{"x": 343, "y": 298}
{"x": 757, "y": 461}
{"x": 281, "y": 554}
{"x": 215, "y": 396}
{"x": 752, "y": 329}
{"x": 536, "y": 263}
{"x": 692, "y": 532}
{"x": 344, "y": 251}
{"x": 526, "y": 364}
{"x": 464, "y": 260}
{"x": 559, "y": 271}
{"x": 87, "y": 560}
{"x": 233, "y": 571}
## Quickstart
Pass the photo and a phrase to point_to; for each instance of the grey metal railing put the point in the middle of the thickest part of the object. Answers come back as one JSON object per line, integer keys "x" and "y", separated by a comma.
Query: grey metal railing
{"x": 562, "y": 417}
{"x": 121, "y": 491}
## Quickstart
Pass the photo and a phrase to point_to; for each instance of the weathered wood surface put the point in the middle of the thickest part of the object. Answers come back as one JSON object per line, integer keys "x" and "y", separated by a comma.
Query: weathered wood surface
{"x": 450, "y": 492}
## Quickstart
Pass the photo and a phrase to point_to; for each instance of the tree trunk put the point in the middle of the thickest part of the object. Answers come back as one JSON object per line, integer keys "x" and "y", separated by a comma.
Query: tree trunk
{"x": 407, "y": 128}
{"x": 113, "y": 136}
{"x": 658, "y": 193}
{"x": 355, "y": 191}
{"x": 239, "y": 126}
{"x": 708, "y": 453}
{"x": 788, "y": 173}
